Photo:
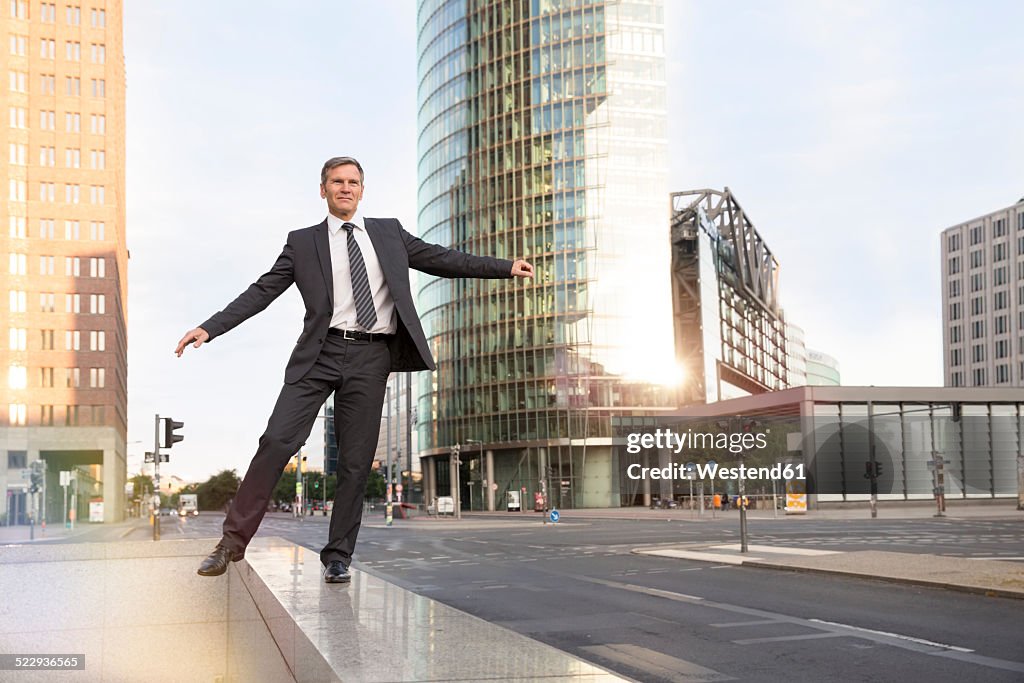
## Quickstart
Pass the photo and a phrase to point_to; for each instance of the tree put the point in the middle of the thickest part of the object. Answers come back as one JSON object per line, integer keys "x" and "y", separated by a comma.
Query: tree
{"x": 375, "y": 485}
{"x": 142, "y": 485}
{"x": 217, "y": 491}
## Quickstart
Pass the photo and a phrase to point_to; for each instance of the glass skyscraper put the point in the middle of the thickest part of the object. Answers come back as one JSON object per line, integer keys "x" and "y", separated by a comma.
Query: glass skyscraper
{"x": 542, "y": 135}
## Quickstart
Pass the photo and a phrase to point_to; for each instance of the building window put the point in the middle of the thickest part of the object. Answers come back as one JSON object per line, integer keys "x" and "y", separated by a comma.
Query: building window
{"x": 72, "y": 340}
{"x": 999, "y": 300}
{"x": 98, "y": 18}
{"x": 73, "y": 122}
{"x": 46, "y": 228}
{"x": 98, "y": 53}
{"x": 19, "y": 45}
{"x": 17, "y": 414}
{"x": 954, "y": 357}
{"x": 1002, "y": 348}
{"x": 17, "y": 376}
{"x": 97, "y": 124}
{"x": 958, "y": 379}
{"x": 97, "y": 340}
{"x": 97, "y": 267}
{"x": 999, "y": 252}
{"x": 999, "y": 227}
{"x": 954, "y": 334}
{"x": 47, "y": 46}
{"x": 978, "y": 329}
{"x": 46, "y": 300}
{"x": 98, "y": 304}
{"x": 98, "y": 159}
{"x": 1001, "y": 324}
{"x": 74, "y": 15}
{"x": 99, "y": 87}
{"x": 47, "y": 192}
{"x": 977, "y": 258}
{"x": 97, "y": 194}
{"x": 19, "y": 301}
{"x": 46, "y": 378}
{"x": 977, "y": 234}
{"x": 18, "y": 81}
{"x": 980, "y": 377}
{"x": 99, "y": 414}
{"x": 72, "y": 193}
{"x": 72, "y": 86}
{"x": 17, "y": 227}
{"x": 97, "y": 230}
{"x": 72, "y": 303}
{"x": 1002, "y": 374}
{"x": 18, "y": 338}
{"x": 17, "y": 460}
{"x": 18, "y": 264}
{"x": 46, "y": 416}
{"x": 954, "y": 288}
{"x": 18, "y": 117}
{"x": 18, "y": 154}
{"x": 977, "y": 282}
{"x": 46, "y": 340}
{"x": 19, "y": 9}
{"x": 72, "y": 51}
{"x": 72, "y": 266}
{"x": 978, "y": 353}
{"x": 17, "y": 190}
{"x": 72, "y": 157}
{"x": 72, "y": 377}
{"x": 97, "y": 377}
{"x": 71, "y": 416}
{"x": 71, "y": 230}
{"x": 47, "y": 120}
{"x": 977, "y": 305}
{"x": 46, "y": 265}
{"x": 1001, "y": 276}
{"x": 47, "y": 156}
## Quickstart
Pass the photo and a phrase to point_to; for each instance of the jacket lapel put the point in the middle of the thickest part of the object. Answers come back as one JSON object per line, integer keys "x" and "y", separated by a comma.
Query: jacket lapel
{"x": 378, "y": 242}
{"x": 323, "y": 251}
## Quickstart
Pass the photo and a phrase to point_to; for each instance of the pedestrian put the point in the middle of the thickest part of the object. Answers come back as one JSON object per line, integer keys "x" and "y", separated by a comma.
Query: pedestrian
{"x": 360, "y": 325}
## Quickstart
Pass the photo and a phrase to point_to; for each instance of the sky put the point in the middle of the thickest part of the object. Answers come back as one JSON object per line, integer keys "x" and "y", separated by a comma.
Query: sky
{"x": 851, "y": 133}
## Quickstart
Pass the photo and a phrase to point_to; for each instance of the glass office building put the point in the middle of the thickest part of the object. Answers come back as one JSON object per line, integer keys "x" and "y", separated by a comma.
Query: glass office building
{"x": 543, "y": 136}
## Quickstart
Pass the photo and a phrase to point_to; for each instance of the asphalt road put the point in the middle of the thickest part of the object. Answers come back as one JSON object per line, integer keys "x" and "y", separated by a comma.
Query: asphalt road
{"x": 577, "y": 587}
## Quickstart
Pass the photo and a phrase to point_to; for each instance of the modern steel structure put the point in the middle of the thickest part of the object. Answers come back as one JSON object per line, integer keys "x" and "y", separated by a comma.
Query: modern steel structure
{"x": 822, "y": 369}
{"x": 64, "y": 254}
{"x": 729, "y": 329}
{"x": 543, "y": 136}
{"x": 983, "y": 300}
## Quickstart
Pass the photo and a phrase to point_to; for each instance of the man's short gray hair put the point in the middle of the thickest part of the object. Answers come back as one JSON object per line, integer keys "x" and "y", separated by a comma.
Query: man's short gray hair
{"x": 334, "y": 162}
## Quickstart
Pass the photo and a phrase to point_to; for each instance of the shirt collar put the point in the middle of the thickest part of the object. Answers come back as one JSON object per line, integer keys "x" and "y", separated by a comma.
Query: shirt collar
{"x": 334, "y": 223}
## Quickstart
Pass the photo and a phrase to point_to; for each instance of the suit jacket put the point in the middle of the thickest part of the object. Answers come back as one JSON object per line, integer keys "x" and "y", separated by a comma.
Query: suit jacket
{"x": 306, "y": 261}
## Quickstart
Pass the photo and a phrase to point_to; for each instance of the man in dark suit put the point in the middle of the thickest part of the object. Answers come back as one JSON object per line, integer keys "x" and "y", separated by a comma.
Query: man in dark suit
{"x": 360, "y": 325}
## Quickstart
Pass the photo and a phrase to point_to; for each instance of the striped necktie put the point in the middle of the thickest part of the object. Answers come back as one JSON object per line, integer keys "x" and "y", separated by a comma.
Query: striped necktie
{"x": 366, "y": 315}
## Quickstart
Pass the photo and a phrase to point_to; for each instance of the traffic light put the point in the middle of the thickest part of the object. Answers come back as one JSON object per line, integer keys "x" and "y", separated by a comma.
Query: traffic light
{"x": 36, "y": 478}
{"x": 868, "y": 470}
{"x": 170, "y": 438}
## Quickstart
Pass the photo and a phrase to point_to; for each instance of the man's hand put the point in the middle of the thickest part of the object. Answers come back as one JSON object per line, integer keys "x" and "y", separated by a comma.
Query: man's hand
{"x": 198, "y": 335}
{"x": 522, "y": 268}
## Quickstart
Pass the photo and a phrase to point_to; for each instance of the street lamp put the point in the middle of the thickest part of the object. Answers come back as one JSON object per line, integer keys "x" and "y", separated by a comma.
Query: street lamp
{"x": 480, "y": 460}
{"x": 457, "y": 488}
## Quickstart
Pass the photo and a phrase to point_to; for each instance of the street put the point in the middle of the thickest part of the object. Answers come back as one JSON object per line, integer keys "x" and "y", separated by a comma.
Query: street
{"x": 577, "y": 587}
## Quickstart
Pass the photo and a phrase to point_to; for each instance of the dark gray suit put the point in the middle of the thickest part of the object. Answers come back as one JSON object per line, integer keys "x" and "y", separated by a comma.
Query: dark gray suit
{"x": 320, "y": 363}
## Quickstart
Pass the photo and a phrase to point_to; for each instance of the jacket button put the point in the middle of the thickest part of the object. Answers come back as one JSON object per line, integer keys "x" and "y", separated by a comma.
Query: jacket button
{"x": 319, "y": 341}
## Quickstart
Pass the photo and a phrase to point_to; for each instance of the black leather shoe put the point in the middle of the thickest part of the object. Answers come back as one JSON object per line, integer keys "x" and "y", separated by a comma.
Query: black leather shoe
{"x": 217, "y": 563}
{"x": 336, "y": 572}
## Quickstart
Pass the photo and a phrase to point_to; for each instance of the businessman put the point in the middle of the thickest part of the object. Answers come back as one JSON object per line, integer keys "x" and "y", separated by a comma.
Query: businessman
{"x": 360, "y": 325}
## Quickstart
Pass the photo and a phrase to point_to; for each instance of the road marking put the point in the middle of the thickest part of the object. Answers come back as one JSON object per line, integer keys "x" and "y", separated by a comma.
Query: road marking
{"x": 779, "y": 639}
{"x": 912, "y": 639}
{"x": 657, "y": 664}
{"x": 977, "y": 559}
{"x": 755, "y": 622}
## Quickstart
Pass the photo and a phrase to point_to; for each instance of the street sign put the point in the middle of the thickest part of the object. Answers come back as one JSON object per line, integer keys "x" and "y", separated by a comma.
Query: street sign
{"x": 65, "y": 477}
{"x": 554, "y": 515}
{"x": 149, "y": 456}
{"x": 165, "y": 457}
{"x": 931, "y": 463}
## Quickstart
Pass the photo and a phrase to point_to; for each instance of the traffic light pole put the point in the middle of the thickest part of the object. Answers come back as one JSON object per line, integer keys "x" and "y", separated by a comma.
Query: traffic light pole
{"x": 156, "y": 478}
{"x": 873, "y": 466}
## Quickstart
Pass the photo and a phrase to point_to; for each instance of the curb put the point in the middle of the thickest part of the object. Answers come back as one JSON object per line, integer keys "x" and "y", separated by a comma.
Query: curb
{"x": 963, "y": 588}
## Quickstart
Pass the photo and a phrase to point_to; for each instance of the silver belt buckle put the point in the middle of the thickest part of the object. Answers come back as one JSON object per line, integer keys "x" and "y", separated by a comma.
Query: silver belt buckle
{"x": 345, "y": 335}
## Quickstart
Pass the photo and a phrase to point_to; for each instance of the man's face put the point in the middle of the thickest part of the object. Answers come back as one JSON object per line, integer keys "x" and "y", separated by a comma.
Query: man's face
{"x": 342, "y": 190}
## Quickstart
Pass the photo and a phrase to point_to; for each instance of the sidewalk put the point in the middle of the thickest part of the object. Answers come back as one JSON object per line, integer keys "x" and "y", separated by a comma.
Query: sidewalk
{"x": 992, "y": 578}
{"x": 54, "y": 532}
{"x": 138, "y": 611}
{"x": 886, "y": 510}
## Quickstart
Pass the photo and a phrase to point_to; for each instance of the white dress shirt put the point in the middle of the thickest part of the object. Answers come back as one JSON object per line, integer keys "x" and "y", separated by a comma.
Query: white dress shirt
{"x": 344, "y": 317}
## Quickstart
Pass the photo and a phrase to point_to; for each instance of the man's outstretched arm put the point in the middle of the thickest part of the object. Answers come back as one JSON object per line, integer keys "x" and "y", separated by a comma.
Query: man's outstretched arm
{"x": 254, "y": 299}
{"x": 434, "y": 259}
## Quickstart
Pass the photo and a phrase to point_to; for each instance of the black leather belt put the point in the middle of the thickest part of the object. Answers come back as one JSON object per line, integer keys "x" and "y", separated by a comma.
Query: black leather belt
{"x": 356, "y": 335}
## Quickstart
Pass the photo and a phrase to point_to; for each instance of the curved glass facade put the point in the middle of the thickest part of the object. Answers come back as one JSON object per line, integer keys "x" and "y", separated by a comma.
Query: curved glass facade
{"x": 543, "y": 136}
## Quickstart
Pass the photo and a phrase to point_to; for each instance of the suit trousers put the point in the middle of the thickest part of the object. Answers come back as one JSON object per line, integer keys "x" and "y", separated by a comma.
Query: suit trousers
{"x": 357, "y": 373}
